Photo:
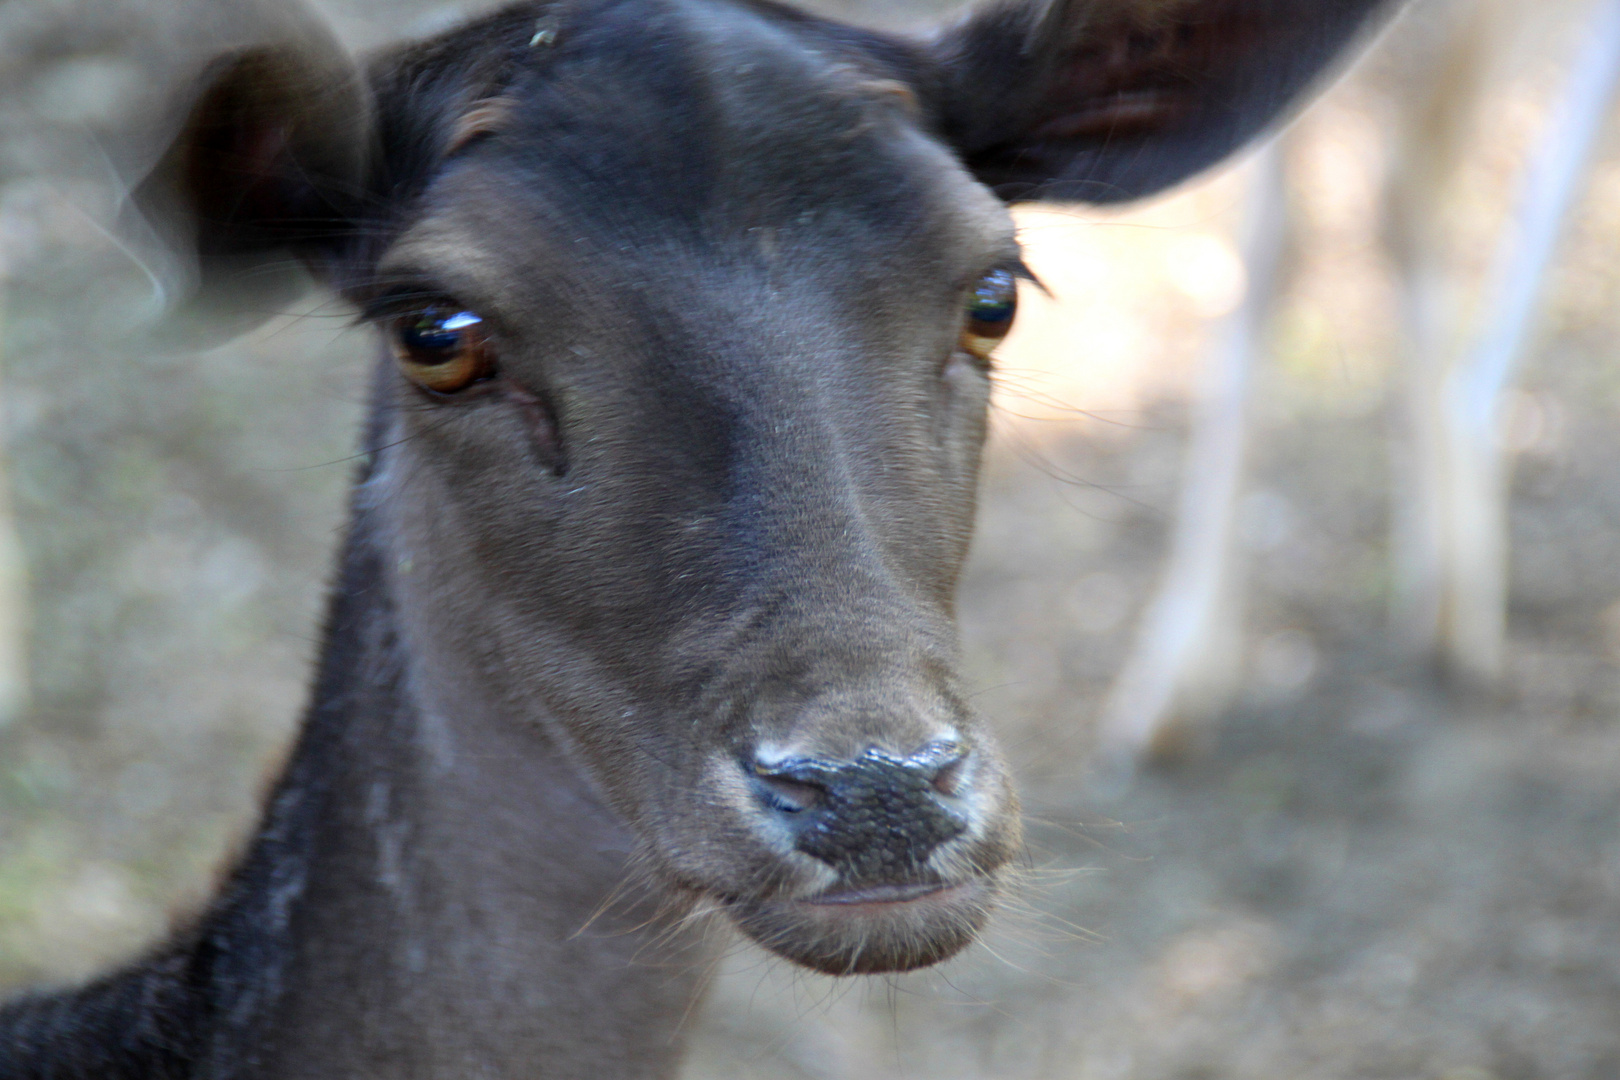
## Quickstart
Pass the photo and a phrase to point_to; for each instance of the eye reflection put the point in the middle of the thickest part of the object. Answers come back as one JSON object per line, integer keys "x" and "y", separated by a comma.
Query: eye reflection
{"x": 442, "y": 349}
{"x": 990, "y": 312}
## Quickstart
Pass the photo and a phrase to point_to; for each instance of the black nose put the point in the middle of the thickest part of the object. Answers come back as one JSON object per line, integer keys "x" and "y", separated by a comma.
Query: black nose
{"x": 873, "y": 819}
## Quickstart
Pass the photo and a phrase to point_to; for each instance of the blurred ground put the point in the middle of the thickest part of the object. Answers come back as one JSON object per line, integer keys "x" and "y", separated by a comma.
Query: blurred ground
{"x": 1356, "y": 872}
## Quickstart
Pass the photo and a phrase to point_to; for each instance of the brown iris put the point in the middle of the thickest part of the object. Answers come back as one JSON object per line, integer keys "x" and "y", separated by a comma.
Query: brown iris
{"x": 442, "y": 349}
{"x": 990, "y": 312}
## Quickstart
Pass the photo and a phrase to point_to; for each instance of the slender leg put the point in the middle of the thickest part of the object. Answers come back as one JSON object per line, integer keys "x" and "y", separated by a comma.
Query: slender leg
{"x": 1179, "y": 638}
{"x": 1443, "y": 70}
{"x": 1476, "y": 571}
{"x": 13, "y": 595}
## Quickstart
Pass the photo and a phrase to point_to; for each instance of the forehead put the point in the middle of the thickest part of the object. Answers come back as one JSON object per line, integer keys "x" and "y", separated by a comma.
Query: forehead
{"x": 703, "y": 125}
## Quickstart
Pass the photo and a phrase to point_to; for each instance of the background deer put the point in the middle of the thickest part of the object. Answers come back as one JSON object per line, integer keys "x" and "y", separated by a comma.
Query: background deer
{"x": 1449, "y": 469}
{"x": 646, "y": 605}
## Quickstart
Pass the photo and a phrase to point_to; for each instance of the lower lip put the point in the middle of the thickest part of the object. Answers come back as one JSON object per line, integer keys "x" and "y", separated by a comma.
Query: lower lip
{"x": 883, "y": 896}
{"x": 865, "y": 931}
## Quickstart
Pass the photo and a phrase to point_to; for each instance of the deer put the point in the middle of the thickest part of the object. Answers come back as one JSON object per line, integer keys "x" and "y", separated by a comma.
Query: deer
{"x": 1451, "y": 473}
{"x": 644, "y": 615}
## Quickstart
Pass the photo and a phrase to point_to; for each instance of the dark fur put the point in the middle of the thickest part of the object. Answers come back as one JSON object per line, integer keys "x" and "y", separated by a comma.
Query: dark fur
{"x": 197, "y": 1007}
{"x": 713, "y": 598}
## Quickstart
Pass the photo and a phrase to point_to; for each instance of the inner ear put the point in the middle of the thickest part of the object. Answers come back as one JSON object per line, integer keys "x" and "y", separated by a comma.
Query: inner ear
{"x": 272, "y": 154}
{"x": 1130, "y": 81}
{"x": 1105, "y": 100}
{"x": 263, "y": 181}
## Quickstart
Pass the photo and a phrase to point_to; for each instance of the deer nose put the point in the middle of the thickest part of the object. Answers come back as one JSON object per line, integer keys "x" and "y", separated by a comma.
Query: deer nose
{"x": 874, "y": 819}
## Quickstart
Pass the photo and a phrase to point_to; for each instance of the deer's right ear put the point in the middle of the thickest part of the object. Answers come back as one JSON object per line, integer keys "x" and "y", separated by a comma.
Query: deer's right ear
{"x": 266, "y": 172}
{"x": 1104, "y": 100}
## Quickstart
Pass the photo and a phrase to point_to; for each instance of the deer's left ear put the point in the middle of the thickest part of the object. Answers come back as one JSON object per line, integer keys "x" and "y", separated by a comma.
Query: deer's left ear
{"x": 1105, "y": 100}
{"x": 264, "y": 174}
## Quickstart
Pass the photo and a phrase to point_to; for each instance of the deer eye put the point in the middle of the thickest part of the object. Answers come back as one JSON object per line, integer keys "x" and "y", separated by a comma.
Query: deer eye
{"x": 990, "y": 312}
{"x": 442, "y": 349}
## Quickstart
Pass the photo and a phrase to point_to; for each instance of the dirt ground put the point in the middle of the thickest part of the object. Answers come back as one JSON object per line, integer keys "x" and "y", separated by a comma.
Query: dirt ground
{"x": 1355, "y": 870}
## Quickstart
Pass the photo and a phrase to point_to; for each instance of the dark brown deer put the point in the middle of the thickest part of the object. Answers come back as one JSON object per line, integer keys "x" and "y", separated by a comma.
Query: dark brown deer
{"x": 646, "y": 605}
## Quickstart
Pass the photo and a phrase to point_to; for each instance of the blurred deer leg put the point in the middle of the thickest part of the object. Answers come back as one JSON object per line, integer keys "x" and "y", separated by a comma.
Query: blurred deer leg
{"x": 13, "y": 612}
{"x": 1418, "y": 472}
{"x": 1442, "y": 74}
{"x": 1476, "y": 573}
{"x": 1174, "y": 666}
{"x": 13, "y": 593}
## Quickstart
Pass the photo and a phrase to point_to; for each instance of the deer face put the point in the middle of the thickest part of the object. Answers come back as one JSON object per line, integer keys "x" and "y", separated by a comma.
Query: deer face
{"x": 700, "y": 504}
{"x": 689, "y": 308}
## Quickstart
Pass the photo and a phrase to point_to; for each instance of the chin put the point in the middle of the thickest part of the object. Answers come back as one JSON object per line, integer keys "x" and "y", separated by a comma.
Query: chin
{"x": 870, "y": 931}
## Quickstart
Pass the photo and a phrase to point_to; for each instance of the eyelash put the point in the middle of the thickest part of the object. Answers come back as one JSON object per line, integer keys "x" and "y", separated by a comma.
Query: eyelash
{"x": 400, "y": 300}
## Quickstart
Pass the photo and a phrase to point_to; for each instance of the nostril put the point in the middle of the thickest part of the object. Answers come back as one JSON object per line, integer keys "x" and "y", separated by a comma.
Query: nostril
{"x": 787, "y": 790}
{"x": 944, "y": 763}
{"x": 789, "y": 796}
{"x": 949, "y": 779}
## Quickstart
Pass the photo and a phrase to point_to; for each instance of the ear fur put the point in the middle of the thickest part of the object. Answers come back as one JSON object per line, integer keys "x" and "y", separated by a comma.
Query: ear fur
{"x": 1106, "y": 100}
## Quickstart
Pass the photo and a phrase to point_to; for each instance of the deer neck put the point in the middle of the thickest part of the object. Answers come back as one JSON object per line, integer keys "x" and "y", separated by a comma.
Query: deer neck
{"x": 449, "y": 893}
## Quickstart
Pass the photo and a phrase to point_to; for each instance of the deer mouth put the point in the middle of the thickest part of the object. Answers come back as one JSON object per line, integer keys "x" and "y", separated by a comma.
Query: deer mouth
{"x": 857, "y": 866}
{"x": 878, "y": 894}
{"x": 873, "y": 929}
